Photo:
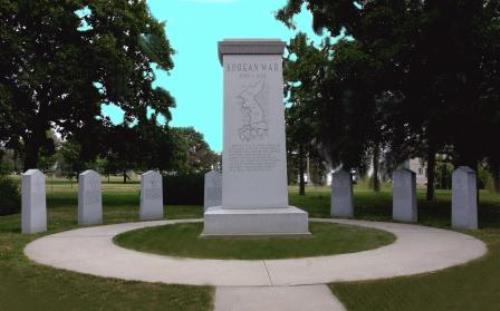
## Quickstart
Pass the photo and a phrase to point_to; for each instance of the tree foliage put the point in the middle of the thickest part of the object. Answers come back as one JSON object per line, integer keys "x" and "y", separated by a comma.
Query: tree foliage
{"x": 192, "y": 153}
{"x": 413, "y": 78}
{"x": 61, "y": 60}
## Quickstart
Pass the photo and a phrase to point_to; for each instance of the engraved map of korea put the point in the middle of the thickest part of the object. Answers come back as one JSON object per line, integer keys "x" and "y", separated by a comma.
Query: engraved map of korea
{"x": 254, "y": 125}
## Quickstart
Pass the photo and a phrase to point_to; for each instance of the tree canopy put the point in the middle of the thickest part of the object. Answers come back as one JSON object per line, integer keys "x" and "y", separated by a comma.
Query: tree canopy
{"x": 412, "y": 77}
{"x": 62, "y": 60}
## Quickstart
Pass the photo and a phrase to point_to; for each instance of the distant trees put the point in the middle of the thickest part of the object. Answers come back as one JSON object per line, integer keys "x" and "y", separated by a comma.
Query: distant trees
{"x": 125, "y": 148}
{"x": 409, "y": 78}
{"x": 192, "y": 153}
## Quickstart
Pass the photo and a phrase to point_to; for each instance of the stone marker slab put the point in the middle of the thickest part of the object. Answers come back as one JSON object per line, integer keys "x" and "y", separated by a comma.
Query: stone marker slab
{"x": 464, "y": 199}
{"x": 33, "y": 202}
{"x": 254, "y": 156}
{"x": 89, "y": 198}
{"x": 341, "y": 199}
{"x": 404, "y": 195}
{"x": 212, "y": 195}
{"x": 151, "y": 196}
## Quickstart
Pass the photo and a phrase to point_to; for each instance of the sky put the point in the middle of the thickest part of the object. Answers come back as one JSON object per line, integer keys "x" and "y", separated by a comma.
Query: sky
{"x": 193, "y": 28}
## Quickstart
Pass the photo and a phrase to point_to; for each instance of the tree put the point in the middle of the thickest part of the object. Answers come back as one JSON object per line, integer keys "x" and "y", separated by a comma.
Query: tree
{"x": 424, "y": 68}
{"x": 303, "y": 68}
{"x": 69, "y": 159}
{"x": 192, "y": 153}
{"x": 61, "y": 60}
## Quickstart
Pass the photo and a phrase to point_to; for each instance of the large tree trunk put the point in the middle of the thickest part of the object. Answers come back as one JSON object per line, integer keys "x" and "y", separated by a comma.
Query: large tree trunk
{"x": 32, "y": 151}
{"x": 376, "y": 163}
{"x": 495, "y": 173}
{"x": 35, "y": 141}
{"x": 124, "y": 176}
{"x": 431, "y": 163}
{"x": 302, "y": 183}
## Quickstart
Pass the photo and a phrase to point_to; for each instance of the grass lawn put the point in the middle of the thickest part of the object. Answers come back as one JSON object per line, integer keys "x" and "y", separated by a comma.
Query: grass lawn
{"x": 25, "y": 285}
{"x": 474, "y": 286}
{"x": 184, "y": 240}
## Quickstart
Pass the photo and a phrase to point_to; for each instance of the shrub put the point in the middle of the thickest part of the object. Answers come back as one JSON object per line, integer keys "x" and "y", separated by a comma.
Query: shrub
{"x": 10, "y": 199}
{"x": 183, "y": 189}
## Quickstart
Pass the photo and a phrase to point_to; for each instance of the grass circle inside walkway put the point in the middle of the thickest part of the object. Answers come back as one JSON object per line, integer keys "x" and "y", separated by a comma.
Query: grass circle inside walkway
{"x": 184, "y": 240}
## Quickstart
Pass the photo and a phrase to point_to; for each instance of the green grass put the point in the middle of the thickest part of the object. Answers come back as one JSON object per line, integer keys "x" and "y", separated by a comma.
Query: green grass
{"x": 25, "y": 285}
{"x": 473, "y": 286}
{"x": 184, "y": 240}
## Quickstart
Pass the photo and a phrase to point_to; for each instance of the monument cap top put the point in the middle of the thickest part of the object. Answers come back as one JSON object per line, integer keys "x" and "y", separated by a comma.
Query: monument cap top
{"x": 251, "y": 47}
{"x": 405, "y": 169}
{"x": 32, "y": 171}
{"x": 342, "y": 172}
{"x": 465, "y": 169}
{"x": 87, "y": 172}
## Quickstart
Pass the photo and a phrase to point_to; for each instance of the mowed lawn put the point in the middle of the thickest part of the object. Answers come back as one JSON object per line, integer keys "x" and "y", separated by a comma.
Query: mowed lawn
{"x": 473, "y": 286}
{"x": 26, "y": 285}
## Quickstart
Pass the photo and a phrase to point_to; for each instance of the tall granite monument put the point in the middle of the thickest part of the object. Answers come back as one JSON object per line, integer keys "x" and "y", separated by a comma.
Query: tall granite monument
{"x": 254, "y": 181}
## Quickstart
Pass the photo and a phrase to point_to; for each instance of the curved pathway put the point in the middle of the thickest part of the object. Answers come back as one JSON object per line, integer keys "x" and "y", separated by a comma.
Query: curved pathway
{"x": 418, "y": 249}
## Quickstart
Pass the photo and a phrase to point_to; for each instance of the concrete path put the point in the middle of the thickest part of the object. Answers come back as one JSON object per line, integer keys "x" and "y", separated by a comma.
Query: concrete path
{"x": 295, "y": 298}
{"x": 277, "y": 283}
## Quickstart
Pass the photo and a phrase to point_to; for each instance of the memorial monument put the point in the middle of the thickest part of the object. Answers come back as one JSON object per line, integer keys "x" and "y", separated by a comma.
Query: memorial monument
{"x": 341, "y": 201}
{"x": 151, "y": 196}
{"x": 464, "y": 199}
{"x": 33, "y": 202}
{"x": 404, "y": 195}
{"x": 254, "y": 181}
{"x": 212, "y": 195}
{"x": 89, "y": 198}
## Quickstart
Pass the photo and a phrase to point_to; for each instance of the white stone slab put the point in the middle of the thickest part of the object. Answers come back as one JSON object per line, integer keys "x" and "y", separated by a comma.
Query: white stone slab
{"x": 341, "y": 199}
{"x": 266, "y": 221}
{"x": 151, "y": 196}
{"x": 89, "y": 198}
{"x": 33, "y": 205}
{"x": 213, "y": 189}
{"x": 464, "y": 199}
{"x": 404, "y": 196}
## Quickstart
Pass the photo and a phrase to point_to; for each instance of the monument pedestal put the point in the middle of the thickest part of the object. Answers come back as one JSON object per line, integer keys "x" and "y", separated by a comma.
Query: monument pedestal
{"x": 256, "y": 221}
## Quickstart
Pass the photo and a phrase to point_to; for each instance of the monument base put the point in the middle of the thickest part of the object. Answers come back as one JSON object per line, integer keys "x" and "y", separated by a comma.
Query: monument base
{"x": 265, "y": 221}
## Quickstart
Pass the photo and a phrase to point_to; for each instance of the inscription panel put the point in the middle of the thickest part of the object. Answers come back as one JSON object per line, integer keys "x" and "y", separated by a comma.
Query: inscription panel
{"x": 254, "y": 156}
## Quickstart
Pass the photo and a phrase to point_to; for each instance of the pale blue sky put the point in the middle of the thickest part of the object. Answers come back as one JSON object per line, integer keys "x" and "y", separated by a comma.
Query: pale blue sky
{"x": 194, "y": 27}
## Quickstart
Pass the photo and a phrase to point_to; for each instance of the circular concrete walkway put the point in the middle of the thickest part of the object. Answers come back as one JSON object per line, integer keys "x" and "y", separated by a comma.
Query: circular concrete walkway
{"x": 417, "y": 249}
